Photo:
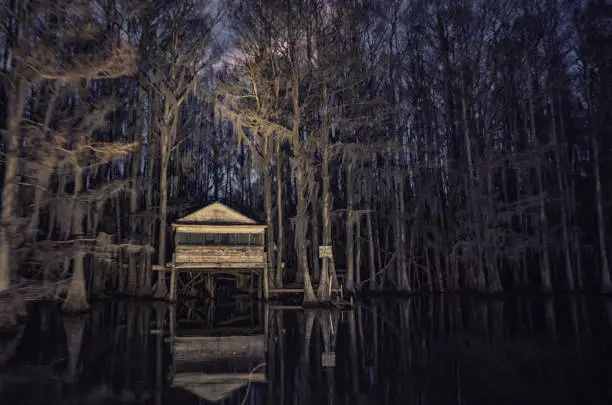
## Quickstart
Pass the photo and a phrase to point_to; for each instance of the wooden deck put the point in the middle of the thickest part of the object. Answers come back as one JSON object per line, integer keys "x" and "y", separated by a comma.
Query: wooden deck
{"x": 213, "y": 267}
{"x": 299, "y": 289}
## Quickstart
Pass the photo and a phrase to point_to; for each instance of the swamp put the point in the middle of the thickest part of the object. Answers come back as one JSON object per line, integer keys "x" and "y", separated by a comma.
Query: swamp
{"x": 424, "y": 350}
{"x": 305, "y": 202}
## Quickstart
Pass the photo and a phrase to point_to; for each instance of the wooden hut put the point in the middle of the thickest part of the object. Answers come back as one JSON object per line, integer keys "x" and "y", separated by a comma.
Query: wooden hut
{"x": 218, "y": 239}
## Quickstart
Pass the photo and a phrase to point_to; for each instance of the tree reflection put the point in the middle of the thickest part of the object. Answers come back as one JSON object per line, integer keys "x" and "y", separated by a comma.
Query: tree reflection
{"x": 426, "y": 350}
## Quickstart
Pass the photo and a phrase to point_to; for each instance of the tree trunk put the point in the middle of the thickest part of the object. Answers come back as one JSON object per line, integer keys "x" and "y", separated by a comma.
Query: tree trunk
{"x": 606, "y": 282}
{"x": 16, "y": 105}
{"x": 161, "y": 290}
{"x": 267, "y": 180}
{"x": 76, "y": 299}
{"x": 324, "y": 288}
{"x": 372, "y": 269}
{"x": 567, "y": 249}
{"x": 300, "y": 237}
{"x": 403, "y": 282}
{"x": 314, "y": 251}
{"x": 280, "y": 216}
{"x": 132, "y": 279}
{"x": 302, "y": 203}
{"x": 358, "y": 252}
{"x": 350, "y": 226}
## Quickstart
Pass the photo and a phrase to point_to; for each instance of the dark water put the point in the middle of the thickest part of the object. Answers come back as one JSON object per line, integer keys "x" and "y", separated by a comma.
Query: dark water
{"x": 427, "y": 350}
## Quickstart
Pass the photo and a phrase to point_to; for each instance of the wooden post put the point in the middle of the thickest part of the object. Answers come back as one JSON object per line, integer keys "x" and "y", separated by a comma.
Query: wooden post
{"x": 266, "y": 316}
{"x": 173, "y": 279}
{"x": 172, "y": 326}
{"x": 266, "y": 289}
{"x": 260, "y": 285}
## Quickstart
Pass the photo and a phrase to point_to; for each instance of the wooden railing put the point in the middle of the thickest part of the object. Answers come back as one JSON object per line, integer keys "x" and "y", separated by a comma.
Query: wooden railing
{"x": 226, "y": 255}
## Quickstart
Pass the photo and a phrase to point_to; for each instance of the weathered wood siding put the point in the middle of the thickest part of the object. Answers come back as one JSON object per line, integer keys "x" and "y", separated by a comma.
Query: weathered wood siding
{"x": 219, "y": 254}
{"x": 219, "y": 347}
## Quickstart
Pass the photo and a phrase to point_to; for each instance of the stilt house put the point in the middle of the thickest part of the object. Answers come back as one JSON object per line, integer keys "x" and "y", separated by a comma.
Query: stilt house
{"x": 218, "y": 239}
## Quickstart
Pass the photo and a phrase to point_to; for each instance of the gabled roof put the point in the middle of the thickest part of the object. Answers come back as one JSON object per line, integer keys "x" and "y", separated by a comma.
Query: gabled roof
{"x": 216, "y": 214}
{"x": 215, "y": 387}
{"x": 215, "y": 392}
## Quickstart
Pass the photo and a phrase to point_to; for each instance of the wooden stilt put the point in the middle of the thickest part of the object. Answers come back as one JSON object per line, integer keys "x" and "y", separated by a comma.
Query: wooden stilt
{"x": 259, "y": 286}
{"x": 266, "y": 287}
{"x": 173, "y": 279}
{"x": 210, "y": 285}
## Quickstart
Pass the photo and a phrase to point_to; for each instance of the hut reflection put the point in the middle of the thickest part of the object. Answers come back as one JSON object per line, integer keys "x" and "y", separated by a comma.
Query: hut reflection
{"x": 428, "y": 350}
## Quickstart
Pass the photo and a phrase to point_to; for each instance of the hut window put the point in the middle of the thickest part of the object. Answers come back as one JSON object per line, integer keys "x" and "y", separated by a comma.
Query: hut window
{"x": 255, "y": 239}
{"x": 185, "y": 238}
{"x": 209, "y": 239}
{"x": 242, "y": 239}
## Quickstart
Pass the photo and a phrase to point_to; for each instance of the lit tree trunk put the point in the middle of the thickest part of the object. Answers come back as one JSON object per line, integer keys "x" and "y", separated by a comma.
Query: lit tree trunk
{"x": 134, "y": 265}
{"x": 300, "y": 166}
{"x": 300, "y": 234}
{"x": 163, "y": 204}
{"x": 9, "y": 193}
{"x": 44, "y": 170}
{"x": 161, "y": 290}
{"x": 267, "y": 180}
{"x": 314, "y": 251}
{"x": 280, "y": 216}
{"x": 15, "y": 107}
{"x": 76, "y": 299}
{"x": 324, "y": 291}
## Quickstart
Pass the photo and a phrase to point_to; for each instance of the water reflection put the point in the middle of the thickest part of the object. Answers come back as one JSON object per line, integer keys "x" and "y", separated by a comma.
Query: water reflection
{"x": 427, "y": 350}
